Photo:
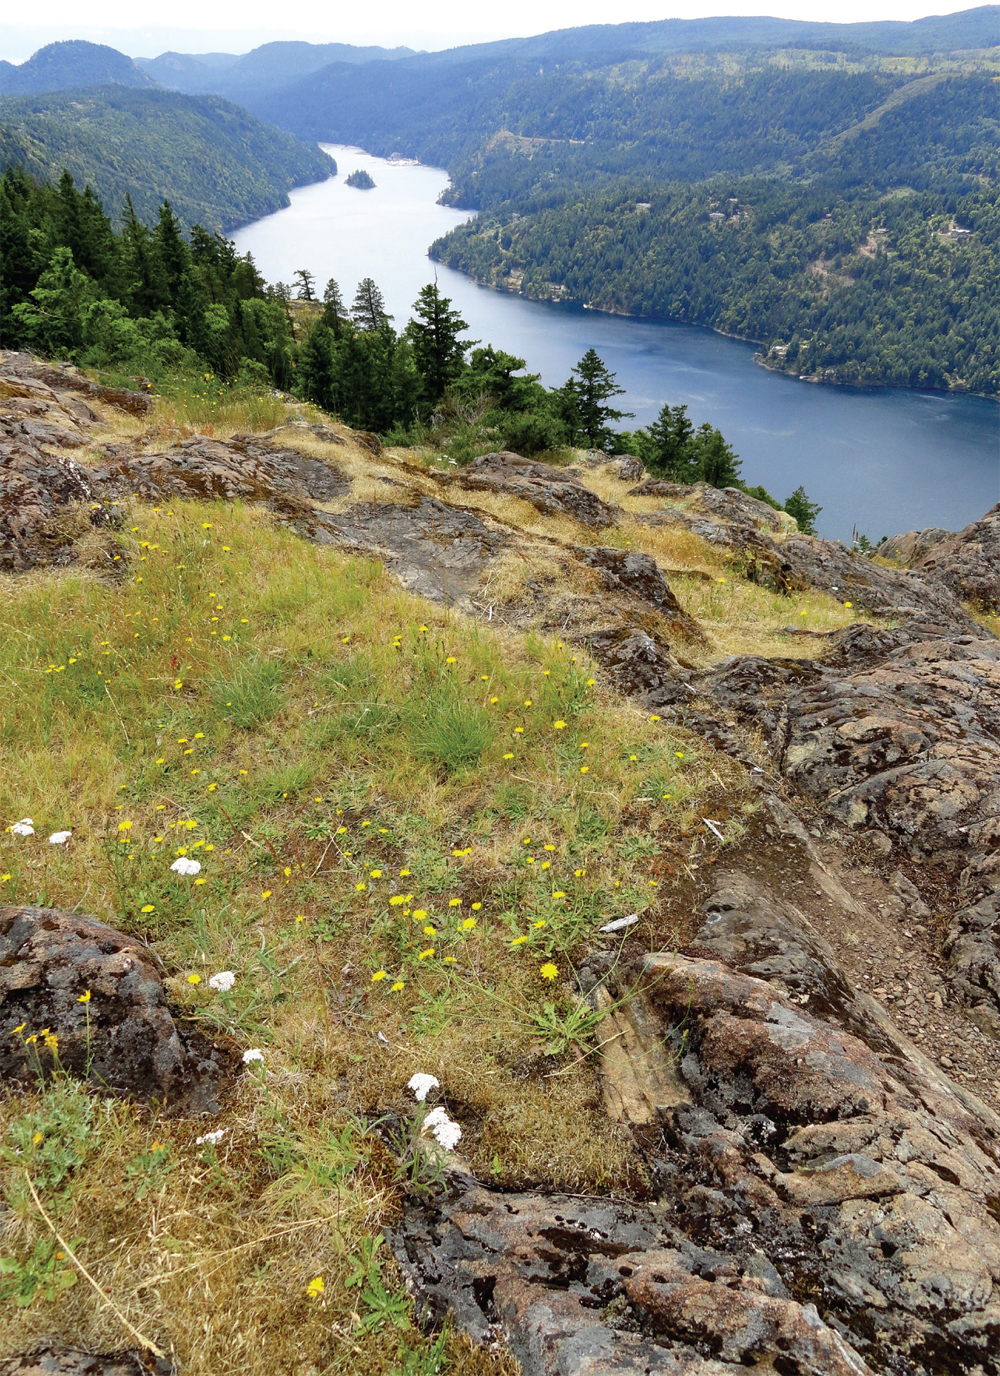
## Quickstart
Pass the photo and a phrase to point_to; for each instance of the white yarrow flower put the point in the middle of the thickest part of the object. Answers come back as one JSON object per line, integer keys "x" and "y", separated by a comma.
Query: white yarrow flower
{"x": 445, "y": 1129}
{"x": 59, "y": 838}
{"x": 25, "y": 827}
{"x": 421, "y": 1084}
{"x": 255, "y": 1054}
{"x": 182, "y": 865}
{"x": 212, "y": 1137}
{"x": 223, "y": 981}
{"x": 448, "y": 1135}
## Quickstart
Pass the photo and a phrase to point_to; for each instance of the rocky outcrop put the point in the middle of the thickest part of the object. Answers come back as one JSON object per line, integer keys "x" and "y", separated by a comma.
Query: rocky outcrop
{"x": 967, "y": 562}
{"x": 552, "y": 491}
{"x": 434, "y": 549}
{"x": 76, "y": 993}
{"x": 242, "y": 467}
{"x": 825, "y": 1200}
{"x": 635, "y": 576}
{"x": 73, "y": 1362}
{"x": 728, "y": 503}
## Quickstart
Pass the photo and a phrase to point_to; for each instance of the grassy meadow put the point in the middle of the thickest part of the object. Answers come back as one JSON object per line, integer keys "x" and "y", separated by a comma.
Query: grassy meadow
{"x": 409, "y": 826}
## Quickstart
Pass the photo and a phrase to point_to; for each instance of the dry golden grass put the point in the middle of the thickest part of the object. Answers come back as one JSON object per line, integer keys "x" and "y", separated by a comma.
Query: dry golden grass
{"x": 303, "y": 707}
{"x": 336, "y": 744}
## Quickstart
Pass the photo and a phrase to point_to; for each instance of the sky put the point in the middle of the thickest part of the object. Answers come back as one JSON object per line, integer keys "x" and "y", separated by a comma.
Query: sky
{"x": 227, "y": 26}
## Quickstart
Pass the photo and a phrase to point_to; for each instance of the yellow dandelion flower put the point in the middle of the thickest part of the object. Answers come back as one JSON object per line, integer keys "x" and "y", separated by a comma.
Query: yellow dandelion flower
{"x": 509, "y": 755}
{"x": 149, "y": 908}
{"x": 360, "y": 886}
{"x": 398, "y": 986}
{"x": 519, "y": 941}
{"x": 375, "y": 874}
{"x": 430, "y": 931}
{"x": 315, "y": 1288}
{"x": 266, "y": 893}
{"x": 419, "y": 914}
{"x": 654, "y": 717}
{"x": 379, "y": 975}
{"x": 558, "y": 894}
{"x": 425, "y": 955}
{"x": 451, "y": 660}
{"x": 194, "y": 979}
{"x": 549, "y": 971}
{"x": 468, "y": 924}
{"x": 476, "y": 907}
{"x": 404, "y": 874}
{"x": 84, "y": 997}
{"x": 559, "y": 726}
{"x": 454, "y": 902}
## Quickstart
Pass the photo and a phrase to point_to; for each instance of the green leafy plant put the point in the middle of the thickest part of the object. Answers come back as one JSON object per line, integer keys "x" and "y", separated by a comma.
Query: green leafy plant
{"x": 45, "y": 1274}
{"x": 53, "y": 1139}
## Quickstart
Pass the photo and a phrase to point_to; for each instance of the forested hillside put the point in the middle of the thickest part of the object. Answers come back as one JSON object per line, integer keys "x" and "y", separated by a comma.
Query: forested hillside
{"x": 837, "y": 204}
{"x": 217, "y": 165}
{"x": 875, "y": 259}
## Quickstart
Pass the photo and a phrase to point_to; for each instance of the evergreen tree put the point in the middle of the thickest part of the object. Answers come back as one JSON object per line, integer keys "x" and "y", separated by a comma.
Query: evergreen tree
{"x": 585, "y": 394}
{"x": 306, "y": 280}
{"x": 368, "y": 311}
{"x": 804, "y": 511}
{"x": 146, "y": 286}
{"x": 434, "y": 333}
{"x": 712, "y": 459}
{"x": 316, "y": 371}
{"x": 667, "y": 453}
{"x": 334, "y": 310}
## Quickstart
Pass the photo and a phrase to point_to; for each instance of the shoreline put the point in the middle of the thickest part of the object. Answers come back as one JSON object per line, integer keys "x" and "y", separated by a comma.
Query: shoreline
{"x": 758, "y": 358}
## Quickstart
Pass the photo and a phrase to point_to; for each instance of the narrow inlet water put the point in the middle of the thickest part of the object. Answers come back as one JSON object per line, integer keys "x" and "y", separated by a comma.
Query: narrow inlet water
{"x": 881, "y": 461}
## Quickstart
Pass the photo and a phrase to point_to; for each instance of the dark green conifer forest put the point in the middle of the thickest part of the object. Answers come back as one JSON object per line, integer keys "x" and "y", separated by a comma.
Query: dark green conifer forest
{"x": 151, "y": 305}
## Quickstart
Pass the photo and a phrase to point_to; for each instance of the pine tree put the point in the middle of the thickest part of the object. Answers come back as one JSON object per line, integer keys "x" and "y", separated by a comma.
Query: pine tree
{"x": 306, "y": 280}
{"x": 334, "y": 310}
{"x": 586, "y": 392}
{"x": 668, "y": 455}
{"x": 369, "y": 312}
{"x": 434, "y": 333}
{"x": 804, "y": 511}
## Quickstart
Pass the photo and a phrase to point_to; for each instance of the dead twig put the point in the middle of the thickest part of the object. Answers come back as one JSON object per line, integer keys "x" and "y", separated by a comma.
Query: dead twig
{"x": 147, "y": 1343}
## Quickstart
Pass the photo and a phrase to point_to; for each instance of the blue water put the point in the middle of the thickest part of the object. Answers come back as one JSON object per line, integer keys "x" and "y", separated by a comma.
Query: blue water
{"x": 881, "y": 461}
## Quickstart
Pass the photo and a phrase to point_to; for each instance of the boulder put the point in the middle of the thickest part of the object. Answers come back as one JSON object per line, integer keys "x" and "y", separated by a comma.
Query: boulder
{"x": 434, "y": 549}
{"x": 629, "y": 469}
{"x": 77, "y": 991}
{"x": 636, "y": 576}
{"x": 552, "y": 491}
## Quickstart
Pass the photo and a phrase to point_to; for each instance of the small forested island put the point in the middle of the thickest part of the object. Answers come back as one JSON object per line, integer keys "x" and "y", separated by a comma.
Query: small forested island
{"x": 361, "y": 180}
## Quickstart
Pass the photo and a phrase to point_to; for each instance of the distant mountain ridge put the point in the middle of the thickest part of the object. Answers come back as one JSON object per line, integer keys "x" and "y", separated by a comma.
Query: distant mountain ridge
{"x": 71, "y": 65}
{"x": 265, "y": 68}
